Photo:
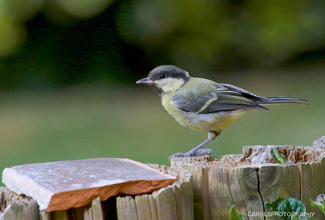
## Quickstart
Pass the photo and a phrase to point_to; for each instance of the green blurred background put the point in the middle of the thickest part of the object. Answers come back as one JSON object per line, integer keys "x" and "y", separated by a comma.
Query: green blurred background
{"x": 68, "y": 70}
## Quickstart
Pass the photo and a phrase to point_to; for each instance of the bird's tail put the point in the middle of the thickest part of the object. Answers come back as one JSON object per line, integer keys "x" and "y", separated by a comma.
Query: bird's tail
{"x": 282, "y": 99}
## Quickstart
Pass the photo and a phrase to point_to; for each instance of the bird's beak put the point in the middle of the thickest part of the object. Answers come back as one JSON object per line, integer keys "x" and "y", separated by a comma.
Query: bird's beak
{"x": 146, "y": 81}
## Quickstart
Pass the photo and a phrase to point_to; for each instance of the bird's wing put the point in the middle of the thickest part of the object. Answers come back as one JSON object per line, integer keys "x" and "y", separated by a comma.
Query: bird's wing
{"x": 214, "y": 98}
{"x": 243, "y": 92}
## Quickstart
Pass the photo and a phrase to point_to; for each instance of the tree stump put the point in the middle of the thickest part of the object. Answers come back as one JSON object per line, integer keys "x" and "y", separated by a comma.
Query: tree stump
{"x": 174, "y": 202}
{"x": 320, "y": 143}
{"x": 250, "y": 179}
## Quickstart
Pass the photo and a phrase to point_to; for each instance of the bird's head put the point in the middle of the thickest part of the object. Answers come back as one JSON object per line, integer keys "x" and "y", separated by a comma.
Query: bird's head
{"x": 166, "y": 78}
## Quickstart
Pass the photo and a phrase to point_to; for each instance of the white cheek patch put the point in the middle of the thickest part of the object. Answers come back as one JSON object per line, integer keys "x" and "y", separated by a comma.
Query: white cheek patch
{"x": 169, "y": 84}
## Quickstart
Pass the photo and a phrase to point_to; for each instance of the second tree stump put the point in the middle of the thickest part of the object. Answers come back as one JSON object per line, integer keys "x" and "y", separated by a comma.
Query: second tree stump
{"x": 250, "y": 179}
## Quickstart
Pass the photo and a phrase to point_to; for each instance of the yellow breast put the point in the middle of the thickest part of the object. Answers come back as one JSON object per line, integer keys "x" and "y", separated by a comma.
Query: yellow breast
{"x": 209, "y": 122}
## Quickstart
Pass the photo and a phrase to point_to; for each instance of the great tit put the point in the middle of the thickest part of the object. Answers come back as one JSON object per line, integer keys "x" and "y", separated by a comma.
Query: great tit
{"x": 202, "y": 104}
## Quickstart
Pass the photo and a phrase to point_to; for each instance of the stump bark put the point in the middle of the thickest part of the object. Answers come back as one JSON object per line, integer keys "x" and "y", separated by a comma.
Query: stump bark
{"x": 174, "y": 202}
{"x": 250, "y": 179}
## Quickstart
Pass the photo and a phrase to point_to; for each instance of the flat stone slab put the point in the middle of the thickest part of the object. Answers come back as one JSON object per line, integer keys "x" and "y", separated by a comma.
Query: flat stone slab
{"x": 65, "y": 184}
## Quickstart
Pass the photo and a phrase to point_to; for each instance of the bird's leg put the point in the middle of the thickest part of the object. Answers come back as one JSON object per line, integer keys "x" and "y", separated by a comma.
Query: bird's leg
{"x": 211, "y": 136}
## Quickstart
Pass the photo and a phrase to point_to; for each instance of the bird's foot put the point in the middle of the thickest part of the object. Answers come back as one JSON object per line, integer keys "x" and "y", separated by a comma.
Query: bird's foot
{"x": 204, "y": 152}
{"x": 200, "y": 152}
{"x": 178, "y": 155}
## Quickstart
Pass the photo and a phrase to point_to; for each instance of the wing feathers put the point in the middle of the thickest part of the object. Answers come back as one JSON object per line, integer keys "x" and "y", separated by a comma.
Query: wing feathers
{"x": 220, "y": 97}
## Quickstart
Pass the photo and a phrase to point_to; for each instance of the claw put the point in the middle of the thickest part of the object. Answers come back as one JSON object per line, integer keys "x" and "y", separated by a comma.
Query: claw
{"x": 204, "y": 152}
{"x": 178, "y": 155}
{"x": 198, "y": 151}
{"x": 201, "y": 152}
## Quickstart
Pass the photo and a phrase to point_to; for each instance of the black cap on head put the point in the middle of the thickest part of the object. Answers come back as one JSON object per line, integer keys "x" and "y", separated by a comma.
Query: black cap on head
{"x": 168, "y": 71}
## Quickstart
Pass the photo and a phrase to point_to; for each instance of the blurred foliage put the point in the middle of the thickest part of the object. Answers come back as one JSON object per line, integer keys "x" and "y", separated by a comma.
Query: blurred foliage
{"x": 55, "y": 43}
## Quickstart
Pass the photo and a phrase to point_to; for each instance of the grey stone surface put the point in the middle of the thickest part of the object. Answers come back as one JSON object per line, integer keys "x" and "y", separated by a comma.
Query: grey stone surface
{"x": 65, "y": 184}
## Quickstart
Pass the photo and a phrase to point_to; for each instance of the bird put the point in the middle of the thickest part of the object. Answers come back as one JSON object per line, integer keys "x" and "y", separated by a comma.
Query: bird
{"x": 202, "y": 104}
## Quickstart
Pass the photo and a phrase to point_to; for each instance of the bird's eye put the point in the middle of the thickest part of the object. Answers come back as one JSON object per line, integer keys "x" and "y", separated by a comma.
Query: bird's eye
{"x": 162, "y": 76}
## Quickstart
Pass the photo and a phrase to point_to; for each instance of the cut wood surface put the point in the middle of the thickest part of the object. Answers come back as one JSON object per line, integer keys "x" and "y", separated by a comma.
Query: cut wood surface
{"x": 319, "y": 143}
{"x": 250, "y": 179}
